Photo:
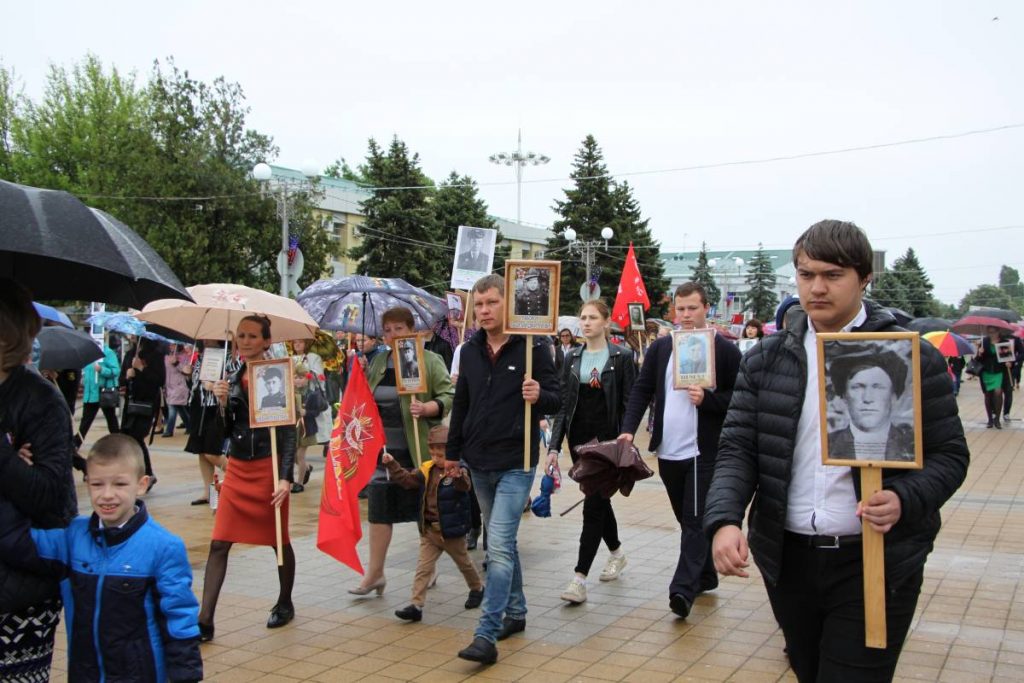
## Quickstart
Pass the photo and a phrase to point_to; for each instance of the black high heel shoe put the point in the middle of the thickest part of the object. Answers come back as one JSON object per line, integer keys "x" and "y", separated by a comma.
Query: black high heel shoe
{"x": 205, "y": 632}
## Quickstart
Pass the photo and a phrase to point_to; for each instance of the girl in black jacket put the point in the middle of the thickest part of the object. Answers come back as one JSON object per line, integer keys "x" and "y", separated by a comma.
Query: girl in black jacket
{"x": 143, "y": 373}
{"x": 596, "y": 380}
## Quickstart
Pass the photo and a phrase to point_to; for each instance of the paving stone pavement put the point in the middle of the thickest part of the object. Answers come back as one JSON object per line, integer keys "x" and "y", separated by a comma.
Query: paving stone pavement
{"x": 969, "y": 624}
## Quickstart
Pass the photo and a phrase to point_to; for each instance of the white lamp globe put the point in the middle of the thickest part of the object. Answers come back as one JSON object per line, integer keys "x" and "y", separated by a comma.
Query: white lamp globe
{"x": 570, "y": 234}
{"x": 261, "y": 171}
{"x": 607, "y": 233}
{"x": 310, "y": 169}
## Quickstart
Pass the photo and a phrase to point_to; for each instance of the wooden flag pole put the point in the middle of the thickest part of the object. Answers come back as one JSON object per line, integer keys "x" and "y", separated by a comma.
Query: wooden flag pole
{"x": 277, "y": 508}
{"x": 874, "y": 566}
{"x": 527, "y": 406}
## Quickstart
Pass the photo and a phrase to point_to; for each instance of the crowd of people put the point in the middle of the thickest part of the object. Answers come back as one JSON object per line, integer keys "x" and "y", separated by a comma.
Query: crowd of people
{"x": 454, "y": 464}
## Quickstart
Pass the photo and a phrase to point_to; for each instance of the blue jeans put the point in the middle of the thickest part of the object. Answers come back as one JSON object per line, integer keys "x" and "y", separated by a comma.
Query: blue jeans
{"x": 172, "y": 417}
{"x": 502, "y": 496}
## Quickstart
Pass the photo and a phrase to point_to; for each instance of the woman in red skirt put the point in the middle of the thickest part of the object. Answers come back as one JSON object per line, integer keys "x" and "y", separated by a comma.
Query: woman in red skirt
{"x": 245, "y": 512}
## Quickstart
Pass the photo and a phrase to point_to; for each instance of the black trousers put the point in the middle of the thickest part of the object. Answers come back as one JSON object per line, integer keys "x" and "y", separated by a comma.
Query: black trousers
{"x": 598, "y": 525}
{"x": 138, "y": 427}
{"x": 819, "y": 603}
{"x": 89, "y": 411}
{"x": 687, "y": 489}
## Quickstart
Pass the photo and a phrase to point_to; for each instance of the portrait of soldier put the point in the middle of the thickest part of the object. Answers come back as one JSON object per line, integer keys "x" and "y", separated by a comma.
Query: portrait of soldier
{"x": 636, "y": 317}
{"x": 410, "y": 370}
{"x": 532, "y": 296}
{"x": 274, "y": 384}
{"x": 692, "y": 354}
{"x": 476, "y": 257}
{"x": 870, "y": 384}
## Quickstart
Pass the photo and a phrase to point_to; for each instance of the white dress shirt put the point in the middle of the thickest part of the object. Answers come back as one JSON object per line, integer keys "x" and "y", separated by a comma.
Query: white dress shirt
{"x": 821, "y": 498}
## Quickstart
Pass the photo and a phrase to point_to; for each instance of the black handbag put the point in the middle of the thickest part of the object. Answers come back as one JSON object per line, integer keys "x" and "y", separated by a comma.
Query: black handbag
{"x": 138, "y": 408}
{"x": 316, "y": 400}
{"x": 109, "y": 398}
{"x": 974, "y": 367}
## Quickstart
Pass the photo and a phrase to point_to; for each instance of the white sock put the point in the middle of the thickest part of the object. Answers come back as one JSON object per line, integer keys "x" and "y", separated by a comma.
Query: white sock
{"x": 617, "y": 552}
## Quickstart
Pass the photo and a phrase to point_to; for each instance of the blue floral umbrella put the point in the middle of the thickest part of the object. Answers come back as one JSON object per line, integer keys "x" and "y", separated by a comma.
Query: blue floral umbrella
{"x": 126, "y": 323}
{"x": 357, "y": 302}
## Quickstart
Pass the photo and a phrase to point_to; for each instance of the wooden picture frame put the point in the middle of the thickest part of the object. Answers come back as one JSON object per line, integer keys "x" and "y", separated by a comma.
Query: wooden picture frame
{"x": 456, "y": 307}
{"x": 531, "y": 297}
{"x": 1004, "y": 352}
{"x": 870, "y": 399}
{"x": 636, "y": 317}
{"x": 410, "y": 365}
{"x": 693, "y": 358}
{"x": 271, "y": 393}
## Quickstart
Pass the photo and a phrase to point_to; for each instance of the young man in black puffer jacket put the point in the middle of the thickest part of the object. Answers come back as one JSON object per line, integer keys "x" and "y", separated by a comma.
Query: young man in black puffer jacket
{"x": 805, "y": 521}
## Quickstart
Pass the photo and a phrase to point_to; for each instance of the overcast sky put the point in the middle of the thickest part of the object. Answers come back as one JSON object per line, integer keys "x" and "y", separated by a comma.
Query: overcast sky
{"x": 661, "y": 85}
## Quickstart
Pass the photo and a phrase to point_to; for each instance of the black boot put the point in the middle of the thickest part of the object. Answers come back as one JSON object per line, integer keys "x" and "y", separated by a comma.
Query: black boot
{"x": 480, "y": 650}
{"x": 409, "y": 613}
{"x": 474, "y": 599}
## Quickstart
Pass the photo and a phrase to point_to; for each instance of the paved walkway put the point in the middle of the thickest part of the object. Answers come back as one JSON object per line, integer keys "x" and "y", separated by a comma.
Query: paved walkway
{"x": 969, "y": 624}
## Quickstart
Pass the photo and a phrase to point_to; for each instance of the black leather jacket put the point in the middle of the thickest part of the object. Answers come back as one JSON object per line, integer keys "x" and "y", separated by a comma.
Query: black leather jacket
{"x": 254, "y": 444}
{"x": 617, "y": 378}
{"x": 33, "y": 411}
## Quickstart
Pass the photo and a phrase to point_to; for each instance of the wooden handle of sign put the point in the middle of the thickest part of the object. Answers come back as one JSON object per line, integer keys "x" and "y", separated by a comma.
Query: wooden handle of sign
{"x": 528, "y": 407}
{"x": 416, "y": 438}
{"x": 277, "y": 509}
{"x": 874, "y": 566}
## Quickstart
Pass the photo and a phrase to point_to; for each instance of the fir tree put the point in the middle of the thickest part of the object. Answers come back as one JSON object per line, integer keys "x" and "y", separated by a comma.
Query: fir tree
{"x": 702, "y": 276}
{"x": 630, "y": 226}
{"x": 905, "y": 286}
{"x": 400, "y": 235}
{"x": 456, "y": 203}
{"x": 761, "y": 299}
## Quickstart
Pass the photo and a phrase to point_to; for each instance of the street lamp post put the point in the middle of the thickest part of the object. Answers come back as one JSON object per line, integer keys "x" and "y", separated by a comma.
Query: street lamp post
{"x": 587, "y": 249}
{"x": 519, "y": 159}
{"x": 283, "y": 191}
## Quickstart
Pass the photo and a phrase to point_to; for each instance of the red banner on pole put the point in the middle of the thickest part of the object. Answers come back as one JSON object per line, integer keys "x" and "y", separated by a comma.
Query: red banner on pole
{"x": 631, "y": 290}
{"x": 356, "y": 440}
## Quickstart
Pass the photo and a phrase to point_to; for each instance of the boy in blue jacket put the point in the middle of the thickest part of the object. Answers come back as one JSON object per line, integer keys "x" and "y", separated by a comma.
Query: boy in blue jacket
{"x": 130, "y": 609}
{"x": 444, "y": 520}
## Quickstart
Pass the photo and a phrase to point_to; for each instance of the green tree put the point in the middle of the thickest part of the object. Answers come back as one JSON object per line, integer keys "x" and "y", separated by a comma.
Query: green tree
{"x": 906, "y": 286}
{"x": 989, "y": 296}
{"x": 11, "y": 100}
{"x": 340, "y": 169}
{"x": 702, "y": 276}
{"x": 1009, "y": 281}
{"x": 172, "y": 160}
{"x": 400, "y": 235}
{"x": 457, "y": 202}
{"x": 588, "y": 208}
{"x": 630, "y": 226}
{"x": 761, "y": 279}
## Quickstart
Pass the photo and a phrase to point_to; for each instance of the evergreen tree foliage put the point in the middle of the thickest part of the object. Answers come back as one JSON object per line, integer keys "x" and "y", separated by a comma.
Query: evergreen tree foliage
{"x": 630, "y": 226}
{"x": 593, "y": 203}
{"x": 761, "y": 279}
{"x": 702, "y": 275}
{"x": 116, "y": 145}
{"x": 457, "y": 202}
{"x": 401, "y": 233}
{"x": 1009, "y": 282}
{"x": 905, "y": 286}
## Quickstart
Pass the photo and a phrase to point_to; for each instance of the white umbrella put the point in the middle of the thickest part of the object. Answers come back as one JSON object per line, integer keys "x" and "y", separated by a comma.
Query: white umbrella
{"x": 219, "y": 307}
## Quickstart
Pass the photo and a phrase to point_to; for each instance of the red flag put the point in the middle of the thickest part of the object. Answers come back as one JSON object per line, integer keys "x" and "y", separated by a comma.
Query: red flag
{"x": 356, "y": 440}
{"x": 631, "y": 290}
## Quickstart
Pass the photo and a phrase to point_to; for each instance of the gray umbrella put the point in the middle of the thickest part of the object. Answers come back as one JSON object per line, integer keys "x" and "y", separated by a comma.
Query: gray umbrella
{"x": 1000, "y": 313}
{"x": 925, "y": 325}
{"x": 59, "y": 248}
{"x": 62, "y": 349}
{"x": 356, "y": 303}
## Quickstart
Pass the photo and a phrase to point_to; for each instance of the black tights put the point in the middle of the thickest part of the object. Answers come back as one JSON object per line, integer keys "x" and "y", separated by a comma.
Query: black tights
{"x": 217, "y": 569}
{"x": 994, "y": 404}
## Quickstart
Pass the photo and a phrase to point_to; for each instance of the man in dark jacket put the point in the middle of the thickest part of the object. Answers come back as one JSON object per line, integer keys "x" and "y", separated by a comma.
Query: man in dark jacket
{"x": 687, "y": 424}
{"x": 487, "y": 433}
{"x": 805, "y": 522}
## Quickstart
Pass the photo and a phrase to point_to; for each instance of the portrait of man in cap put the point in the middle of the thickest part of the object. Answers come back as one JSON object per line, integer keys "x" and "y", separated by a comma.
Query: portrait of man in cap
{"x": 274, "y": 383}
{"x": 532, "y": 295}
{"x": 870, "y": 384}
{"x": 410, "y": 368}
{"x": 692, "y": 353}
{"x": 476, "y": 257}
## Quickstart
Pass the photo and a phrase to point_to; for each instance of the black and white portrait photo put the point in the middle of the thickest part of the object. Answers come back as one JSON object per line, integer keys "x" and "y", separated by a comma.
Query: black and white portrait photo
{"x": 636, "y": 317}
{"x": 271, "y": 393}
{"x": 474, "y": 255}
{"x": 871, "y": 399}
{"x": 531, "y": 296}
{"x": 408, "y": 361}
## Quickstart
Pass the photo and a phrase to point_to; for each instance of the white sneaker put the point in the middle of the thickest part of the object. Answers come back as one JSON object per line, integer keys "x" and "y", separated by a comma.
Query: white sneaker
{"x": 614, "y": 567}
{"x": 575, "y": 592}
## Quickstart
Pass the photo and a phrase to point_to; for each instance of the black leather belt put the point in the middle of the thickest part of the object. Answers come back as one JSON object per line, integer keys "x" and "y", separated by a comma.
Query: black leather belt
{"x": 824, "y": 542}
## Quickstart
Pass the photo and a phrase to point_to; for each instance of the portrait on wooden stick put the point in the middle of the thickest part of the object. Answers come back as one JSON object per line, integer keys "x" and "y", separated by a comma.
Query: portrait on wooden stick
{"x": 410, "y": 369}
{"x": 693, "y": 359}
{"x": 531, "y": 296}
{"x": 271, "y": 393}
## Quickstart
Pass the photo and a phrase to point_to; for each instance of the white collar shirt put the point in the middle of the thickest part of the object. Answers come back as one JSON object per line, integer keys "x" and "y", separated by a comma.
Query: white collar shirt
{"x": 822, "y": 499}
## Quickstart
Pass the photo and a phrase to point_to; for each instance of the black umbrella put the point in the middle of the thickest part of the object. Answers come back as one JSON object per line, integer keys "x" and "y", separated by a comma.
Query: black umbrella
{"x": 1000, "y": 313}
{"x": 925, "y": 325}
{"x": 62, "y": 349}
{"x": 59, "y": 248}
{"x": 902, "y": 317}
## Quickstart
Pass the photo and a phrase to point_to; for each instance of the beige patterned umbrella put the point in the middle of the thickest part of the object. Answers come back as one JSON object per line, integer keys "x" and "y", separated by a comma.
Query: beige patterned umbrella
{"x": 219, "y": 307}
